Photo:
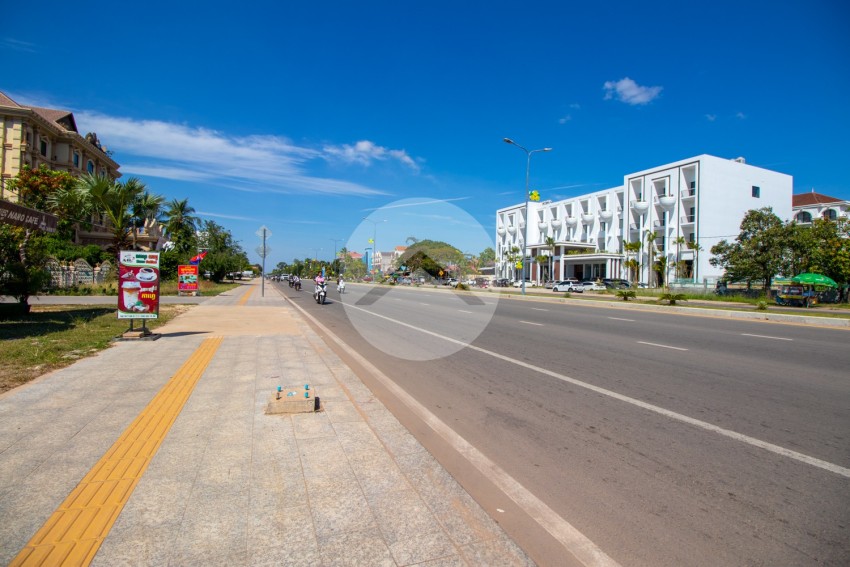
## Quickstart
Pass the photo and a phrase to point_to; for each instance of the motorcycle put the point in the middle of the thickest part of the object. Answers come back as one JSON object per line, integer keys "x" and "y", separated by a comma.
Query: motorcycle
{"x": 340, "y": 287}
{"x": 297, "y": 285}
{"x": 321, "y": 293}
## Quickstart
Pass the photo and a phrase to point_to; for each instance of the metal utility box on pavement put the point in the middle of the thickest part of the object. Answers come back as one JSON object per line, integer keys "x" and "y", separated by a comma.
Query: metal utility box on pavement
{"x": 294, "y": 399}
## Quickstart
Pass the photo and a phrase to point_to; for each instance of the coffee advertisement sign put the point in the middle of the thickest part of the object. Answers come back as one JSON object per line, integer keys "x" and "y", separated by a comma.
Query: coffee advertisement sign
{"x": 138, "y": 285}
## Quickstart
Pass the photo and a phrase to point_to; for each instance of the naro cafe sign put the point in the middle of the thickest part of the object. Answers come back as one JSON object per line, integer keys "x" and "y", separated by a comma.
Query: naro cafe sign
{"x": 16, "y": 215}
{"x": 138, "y": 281}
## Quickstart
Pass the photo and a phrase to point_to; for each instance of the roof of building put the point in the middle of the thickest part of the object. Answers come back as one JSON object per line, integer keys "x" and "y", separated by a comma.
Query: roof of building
{"x": 812, "y": 198}
{"x": 6, "y": 101}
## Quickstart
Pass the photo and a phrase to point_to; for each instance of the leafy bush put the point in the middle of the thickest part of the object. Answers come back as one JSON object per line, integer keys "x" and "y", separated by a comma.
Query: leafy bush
{"x": 462, "y": 286}
{"x": 627, "y": 294}
{"x": 761, "y": 306}
{"x": 672, "y": 298}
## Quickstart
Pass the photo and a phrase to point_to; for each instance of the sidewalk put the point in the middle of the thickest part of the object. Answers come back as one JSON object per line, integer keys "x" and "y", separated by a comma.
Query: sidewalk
{"x": 219, "y": 482}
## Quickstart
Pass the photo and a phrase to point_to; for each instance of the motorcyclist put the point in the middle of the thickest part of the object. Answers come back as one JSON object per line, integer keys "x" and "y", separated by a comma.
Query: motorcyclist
{"x": 296, "y": 283}
{"x": 320, "y": 281}
{"x": 340, "y": 285}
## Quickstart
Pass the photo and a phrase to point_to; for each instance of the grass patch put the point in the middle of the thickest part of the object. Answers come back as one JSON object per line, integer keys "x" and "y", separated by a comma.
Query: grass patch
{"x": 55, "y": 336}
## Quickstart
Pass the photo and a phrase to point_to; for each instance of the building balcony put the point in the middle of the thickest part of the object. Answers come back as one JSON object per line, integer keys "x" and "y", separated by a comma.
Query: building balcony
{"x": 512, "y": 229}
{"x": 587, "y": 218}
{"x": 556, "y": 223}
{"x": 543, "y": 225}
{"x": 633, "y": 227}
{"x": 571, "y": 221}
{"x": 639, "y": 206}
{"x": 686, "y": 219}
{"x": 606, "y": 215}
{"x": 501, "y": 231}
{"x": 667, "y": 201}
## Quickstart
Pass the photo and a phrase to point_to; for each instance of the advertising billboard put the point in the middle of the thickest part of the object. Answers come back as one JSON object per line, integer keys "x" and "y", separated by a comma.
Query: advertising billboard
{"x": 138, "y": 285}
{"x": 187, "y": 279}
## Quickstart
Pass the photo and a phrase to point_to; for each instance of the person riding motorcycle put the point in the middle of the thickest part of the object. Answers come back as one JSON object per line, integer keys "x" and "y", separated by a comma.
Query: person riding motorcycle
{"x": 340, "y": 285}
{"x": 296, "y": 283}
{"x": 320, "y": 282}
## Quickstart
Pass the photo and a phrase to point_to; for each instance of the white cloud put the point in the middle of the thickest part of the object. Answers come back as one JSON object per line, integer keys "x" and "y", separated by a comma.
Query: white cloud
{"x": 741, "y": 116}
{"x": 365, "y": 152}
{"x": 711, "y": 117}
{"x": 18, "y": 45}
{"x": 628, "y": 91}
{"x": 565, "y": 119}
{"x": 184, "y": 153}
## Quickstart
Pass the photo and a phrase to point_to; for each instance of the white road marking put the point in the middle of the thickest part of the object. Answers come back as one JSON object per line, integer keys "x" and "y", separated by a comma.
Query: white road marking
{"x": 661, "y": 346}
{"x": 532, "y": 323}
{"x": 766, "y": 337}
{"x": 462, "y": 311}
{"x": 621, "y": 319}
{"x": 815, "y": 462}
{"x": 539, "y": 309}
{"x": 584, "y": 550}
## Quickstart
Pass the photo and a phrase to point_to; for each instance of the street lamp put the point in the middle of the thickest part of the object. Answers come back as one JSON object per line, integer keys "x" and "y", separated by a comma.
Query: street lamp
{"x": 374, "y": 237}
{"x": 527, "y": 220}
{"x": 335, "y": 240}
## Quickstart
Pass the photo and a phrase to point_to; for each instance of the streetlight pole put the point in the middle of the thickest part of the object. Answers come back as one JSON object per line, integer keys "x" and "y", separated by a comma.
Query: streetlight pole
{"x": 374, "y": 237}
{"x": 335, "y": 240}
{"x": 527, "y": 220}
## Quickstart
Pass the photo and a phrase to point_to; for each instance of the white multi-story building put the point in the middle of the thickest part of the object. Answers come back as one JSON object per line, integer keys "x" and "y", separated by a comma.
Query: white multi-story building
{"x": 677, "y": 212}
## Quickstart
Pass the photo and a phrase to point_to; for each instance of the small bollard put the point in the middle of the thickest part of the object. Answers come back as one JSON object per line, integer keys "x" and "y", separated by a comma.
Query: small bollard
{"x": 306, "y": 394}
{"x": 306, "y": 386}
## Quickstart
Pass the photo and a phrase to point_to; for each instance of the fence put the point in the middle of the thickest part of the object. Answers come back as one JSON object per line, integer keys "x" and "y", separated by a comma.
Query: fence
{"x": 79, "y": 272}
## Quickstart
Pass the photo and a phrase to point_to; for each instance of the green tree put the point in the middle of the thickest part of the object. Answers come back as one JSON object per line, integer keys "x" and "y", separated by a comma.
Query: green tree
{"x": 145, "y": 210}
{"x": 114, "y": 201}
{"x": 550, "y": 246}
{"x": 487, "y": 256}
{"x": 224, "y": 254}
{"x": 758, "y": 252}
{"x": 181, "y": 225}
{"x": 651, "y": 236}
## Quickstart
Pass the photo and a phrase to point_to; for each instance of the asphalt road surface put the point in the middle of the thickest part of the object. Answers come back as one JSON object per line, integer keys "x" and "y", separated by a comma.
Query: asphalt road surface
{"x": 664, "y": 439}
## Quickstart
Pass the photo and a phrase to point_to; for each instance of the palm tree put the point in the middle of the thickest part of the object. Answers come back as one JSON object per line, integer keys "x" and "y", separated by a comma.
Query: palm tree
{"x": 550, "y": 246}
{"x": 145, "y": 210}
{"x": 680, "y": 241}
{"x": 113, "y": 200}
{"x": 180, "y": 224}
{"x": 633, "y": 248}
{"x": 650, "y": 245}
{"x": 513, "y": 257}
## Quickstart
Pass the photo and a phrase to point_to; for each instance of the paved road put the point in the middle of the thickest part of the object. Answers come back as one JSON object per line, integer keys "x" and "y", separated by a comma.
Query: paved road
{"x": 664, "y": 439}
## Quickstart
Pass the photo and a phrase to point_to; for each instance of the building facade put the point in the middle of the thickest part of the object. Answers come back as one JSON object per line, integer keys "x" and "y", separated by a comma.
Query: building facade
{"x": 34, "y": 136}
{"x": 810, "y": 206}
{"x": 676, "y": 212}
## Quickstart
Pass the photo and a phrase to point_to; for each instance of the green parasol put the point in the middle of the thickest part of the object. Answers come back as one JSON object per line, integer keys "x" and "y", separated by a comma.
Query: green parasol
{"x": 814, "y": 279}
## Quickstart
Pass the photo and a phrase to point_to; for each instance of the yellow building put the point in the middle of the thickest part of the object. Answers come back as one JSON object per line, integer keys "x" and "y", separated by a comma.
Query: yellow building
{"x": 34, "y": 136}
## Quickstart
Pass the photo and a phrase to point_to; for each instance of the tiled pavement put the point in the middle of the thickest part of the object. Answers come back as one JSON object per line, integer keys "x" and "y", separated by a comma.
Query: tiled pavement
{"x": 229, "y": 484}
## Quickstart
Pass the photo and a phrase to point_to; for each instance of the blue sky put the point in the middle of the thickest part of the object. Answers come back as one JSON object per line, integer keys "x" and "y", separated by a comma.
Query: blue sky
{"x": 306, "y": 117}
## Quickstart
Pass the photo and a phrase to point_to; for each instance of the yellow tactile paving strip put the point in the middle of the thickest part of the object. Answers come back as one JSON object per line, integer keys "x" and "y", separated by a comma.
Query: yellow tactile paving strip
{"x": 245, "y": 297}
{"x": 73, "y": 534}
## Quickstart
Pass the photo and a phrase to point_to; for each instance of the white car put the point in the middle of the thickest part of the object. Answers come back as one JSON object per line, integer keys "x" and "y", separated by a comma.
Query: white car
{"x": 592, "y": 286}
{"x": 528, "y": 283}
{"x": 568, "y": 285}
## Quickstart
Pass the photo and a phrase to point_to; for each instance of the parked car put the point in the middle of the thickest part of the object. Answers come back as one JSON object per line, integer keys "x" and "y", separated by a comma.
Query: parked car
{"x": 592, "y": 286}
{"x": 451, "y": 282}
{"x": 615, "y": 283}
{"x": 528, "y": 283}
{"x": 571, "y": 285}
{"x": 549, "y": 284}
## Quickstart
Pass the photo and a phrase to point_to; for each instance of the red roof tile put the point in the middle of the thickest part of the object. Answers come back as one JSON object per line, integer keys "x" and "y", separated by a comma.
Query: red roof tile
{"x": 806, "y": 199}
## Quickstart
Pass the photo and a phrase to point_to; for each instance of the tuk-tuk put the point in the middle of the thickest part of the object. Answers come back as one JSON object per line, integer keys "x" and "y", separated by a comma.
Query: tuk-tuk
{"x": 797, "y": 295}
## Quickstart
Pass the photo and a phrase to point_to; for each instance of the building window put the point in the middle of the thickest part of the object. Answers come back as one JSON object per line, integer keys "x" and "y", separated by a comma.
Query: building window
{"x": 804, "y": 217}
{"x": 756, "y": 192}
{"x": 830, "y": 214}
{"x": 42, "y": 148}
{"x": 90, "y": 166}
{"x": 77, "y": 159}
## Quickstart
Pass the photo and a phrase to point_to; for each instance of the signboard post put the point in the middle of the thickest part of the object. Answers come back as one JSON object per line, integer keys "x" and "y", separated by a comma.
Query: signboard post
{"x": 187, "y": 280}
{"x": 138, "y": 292}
